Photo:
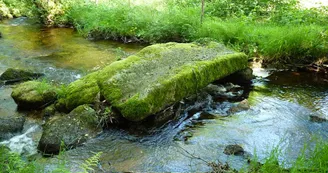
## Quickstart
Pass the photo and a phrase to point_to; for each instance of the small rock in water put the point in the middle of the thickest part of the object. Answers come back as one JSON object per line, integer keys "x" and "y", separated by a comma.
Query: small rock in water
{"x": 230, "y": 86}
{"x": 12, "y": 75}
{"x": 10, "y": 124}
{"x": 233, "y": 150}
{"x": 207, "y": 116}
{"x": 33, "y": 95}
{"x": 215, "y": 89}
{"x": 241, "y": 106}
{"x": 73, "y": 129}
{"x": 317, "y": 119}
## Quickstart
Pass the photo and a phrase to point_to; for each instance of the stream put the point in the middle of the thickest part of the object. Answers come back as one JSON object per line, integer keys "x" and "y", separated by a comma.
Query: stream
{"x": 281, "y": 103}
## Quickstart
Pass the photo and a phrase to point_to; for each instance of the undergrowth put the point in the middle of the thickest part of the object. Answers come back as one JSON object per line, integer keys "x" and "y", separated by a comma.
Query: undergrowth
{"x": 310, "y": 159}
{"x": 277, "y": 31}
{"x": 12, "y": 163}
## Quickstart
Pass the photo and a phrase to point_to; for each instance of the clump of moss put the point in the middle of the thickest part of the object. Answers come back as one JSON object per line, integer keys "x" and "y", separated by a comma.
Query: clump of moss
{"x": 34, "y": 94}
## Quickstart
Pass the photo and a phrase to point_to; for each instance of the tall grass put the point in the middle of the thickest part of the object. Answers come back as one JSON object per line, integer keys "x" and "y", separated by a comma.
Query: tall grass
{"x": 275, "y": 43}
{"x": 141, "y": 23}
{"x": 314, "y": 160}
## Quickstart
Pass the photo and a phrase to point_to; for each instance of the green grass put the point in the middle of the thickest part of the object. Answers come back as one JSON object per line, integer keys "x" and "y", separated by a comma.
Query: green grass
{"x": 311, "y": 159}
{"x": 275, "y": 43}
{"x": 12, "y": 163}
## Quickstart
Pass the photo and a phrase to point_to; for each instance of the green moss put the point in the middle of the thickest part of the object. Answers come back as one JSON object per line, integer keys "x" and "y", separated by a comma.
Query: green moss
{"x": 83, "y": 91}
{"x": 187, "y": 80}
{"x": 15, "y": 75}
{"x": 33, "y": 94}
{"x": 156, "y": 77}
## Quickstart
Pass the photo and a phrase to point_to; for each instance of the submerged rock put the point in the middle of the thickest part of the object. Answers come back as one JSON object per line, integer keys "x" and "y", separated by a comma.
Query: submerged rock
{"x": 12, "y": 75}
{"x": 10, "y": 125}
{"x": 317, "y": 119}
{"x": 215, "y": 89}
{"x": 72, "y": 129}
{"x": 241, "y": 77}
{"x": 33, "y": 95}
{"x": 156, "y": 77}
{"x": 233, "y": 150}
{"x": 83, "y": 91}
{"x": 241, "y": 106}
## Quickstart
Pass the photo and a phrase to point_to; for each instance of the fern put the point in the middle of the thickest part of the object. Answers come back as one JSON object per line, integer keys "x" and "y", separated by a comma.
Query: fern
{"x": 90, "y": 163}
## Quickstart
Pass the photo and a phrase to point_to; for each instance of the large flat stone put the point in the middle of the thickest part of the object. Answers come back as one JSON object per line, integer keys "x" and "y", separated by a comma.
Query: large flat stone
{"x": 157, "y": 76}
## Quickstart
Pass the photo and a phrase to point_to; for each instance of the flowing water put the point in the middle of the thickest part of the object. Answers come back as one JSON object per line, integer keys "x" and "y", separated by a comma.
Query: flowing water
{"x": 281, "y": 104}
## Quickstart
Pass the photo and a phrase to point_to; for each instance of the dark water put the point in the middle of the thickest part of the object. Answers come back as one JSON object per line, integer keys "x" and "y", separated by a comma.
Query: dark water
{"x": 281, "y": 103}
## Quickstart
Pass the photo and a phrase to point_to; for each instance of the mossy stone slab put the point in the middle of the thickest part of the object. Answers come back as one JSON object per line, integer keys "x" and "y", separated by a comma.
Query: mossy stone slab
{"x": 157, "y": 76}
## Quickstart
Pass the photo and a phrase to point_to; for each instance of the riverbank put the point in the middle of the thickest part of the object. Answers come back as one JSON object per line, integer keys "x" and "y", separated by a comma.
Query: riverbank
{"x": 278, "y": 33}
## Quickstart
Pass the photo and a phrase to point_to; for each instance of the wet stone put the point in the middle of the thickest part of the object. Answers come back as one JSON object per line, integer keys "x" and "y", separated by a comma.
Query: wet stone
{"x": 317, "y": 119}
{"x": 73, "y": 129}
{"x": 241, "y": 106}
{"x": 10, "y": 124}
{"x": 233, "y": 150}
{"x": 33, "y": 95}
{"x": 50, "y": 111}
{"x": 12, "y": 75}
{"x": 207, "y": 116}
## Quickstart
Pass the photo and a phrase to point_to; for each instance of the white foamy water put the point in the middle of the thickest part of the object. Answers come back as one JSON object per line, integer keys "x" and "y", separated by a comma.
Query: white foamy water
{"x": 23, "y": 144}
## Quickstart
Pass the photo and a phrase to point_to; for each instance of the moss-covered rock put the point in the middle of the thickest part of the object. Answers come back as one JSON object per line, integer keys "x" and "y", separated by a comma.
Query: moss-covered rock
{"x": 33, "y": 95}
{"x": 10, "y": 124}
{"x": 72, "y": 129}
{"x": 156, "y": 77}
{"x": 12, "y": 75}
{"x": 49, "y": 111}
{"x": 83, "y": 91}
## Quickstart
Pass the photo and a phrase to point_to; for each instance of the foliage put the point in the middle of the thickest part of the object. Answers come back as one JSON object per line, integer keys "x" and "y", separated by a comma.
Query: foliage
{"x": 14, "y": 8}
{"x": 137, "y": 23}
{"x": 91, "y": 162}
{"x": 257, "y": 8}
{"x": 12, "y": 163}
{"x": 309, "y": 160}
{"x": 282, "y": 44}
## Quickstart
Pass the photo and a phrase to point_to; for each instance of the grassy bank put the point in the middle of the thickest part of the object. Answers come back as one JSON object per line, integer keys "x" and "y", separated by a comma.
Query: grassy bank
{"x": 278, "y": 31}
{"x": 283, "y": 35}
